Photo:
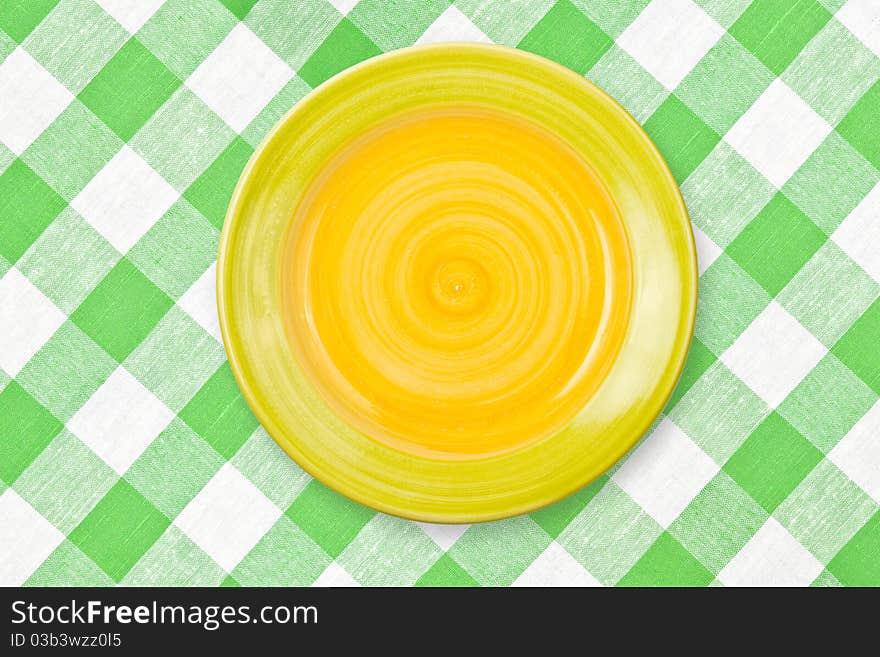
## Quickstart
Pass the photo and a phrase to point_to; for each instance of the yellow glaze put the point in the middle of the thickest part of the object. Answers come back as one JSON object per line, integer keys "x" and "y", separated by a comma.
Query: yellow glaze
{"x": 456, "y": 282}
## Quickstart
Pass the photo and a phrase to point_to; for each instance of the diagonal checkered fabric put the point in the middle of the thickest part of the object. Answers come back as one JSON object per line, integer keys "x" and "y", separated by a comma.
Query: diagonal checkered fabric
{"x": 127, "y": 454}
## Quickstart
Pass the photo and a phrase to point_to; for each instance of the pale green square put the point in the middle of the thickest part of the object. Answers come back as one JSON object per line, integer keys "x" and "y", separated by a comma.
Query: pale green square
{"x": 182, "y": 33}
{"x": 176, "y": 466}
{"x": 182, "y": 138}
{"x": 719, "y": 412}
{"x": 831, "y": 183}
{"x": 68, "y": 260}
{"x": 66, "y": 371}
{"x": 724, "y": 193}
{"x": 69, "y": 153}
{"x": 613, "y": 16}
{"x": 833, "y": 71}
{"x": 496, "y": 553}
{"x": 174, "y": 560}
{"x": 177, "y": 249}
{"x": 724, "y": 84}
{"x": 728, "y": 301}
{"x": 7, "y": 157}
{"x": 827, "y": 403}
{"x": 293, "y": 30}
{"x": 67, "y": 566}
{"x": 628, "y": 83}
{"x": 398, "y": 24}
{"x": 389, "y": 551}
{"x": 175, "y": 359}
{"x": 829, "y": 293}
{"x": 504, "y": 21}
{"x": 7, "y": 45}
{"x": 67, "y": 465}
{"x": 74, "y": 42}
{"x": 725, "y": 12}
{"x": 263, "y": 462}
{"x": 718, "y": 522}
{"x": 826, "y": 580}
{"x": 825, "y": 511}
{"x": 285, "y": 556}
{"x": 283, "y": 101}
{"x": 610, "y": 534}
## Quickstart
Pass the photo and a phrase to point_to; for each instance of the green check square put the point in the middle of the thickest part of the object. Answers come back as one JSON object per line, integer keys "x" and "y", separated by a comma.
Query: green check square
{"x": 345, "y": 46}
{"x": 66, "y": 464}
{"x": 857, "y": 349}
{"x": 719, "y": 412}
{"x": 718, "y": 522}
{"x": 610, "y": 535}
{"x": 219, "y": 413}
{"x": 613, "y": 16}
{"x": 856, "y": 564}
{"x": 182, "y": 138}
{"x": 68, "y": 566}
{"x": 119, "y": 530}
{"x": 330, "y": 519}
{"x": 556, "y": 517}
{"x": 496, "y": 553}
{"x": 68, "y": 260}
{"x": 27, "y": 206}
{"x": 829, "y": 293}
{"x": 277, "y": 476}
{"x": 772, "y": 462}
{"x": 389, "y": 551}
{"x": 728, "y": 301}
{"x": 776, "y": 244}
{"x": 628, "y": 83}
{"x": 699, "y": 359}
{"x": 777, "y": 30}
{"x": 825, "y": 511}
{"x": 174, "y": 560}
{"x": 447, "y": 573}
{"x": 683, "y": 138}
{"x": 66, "y": 371}
{"x": 833, "y": 71}
{"x": 20, "y": 17}
{"x": 271, "y": 20}
{"x": 585, "y": 45}
{"x": 724, "y": 194}
{"x": 174, "y": 468}
{"x": 724, "y": 84}
{"x": 122, "y": 310}
{"x": 129, "y": 89}
{"x": 26, "y": 428}
{"x": 834, "y": 165}
{"x": 504, "y": 21}
{"x": 667, "y": 563}
{"x": 74, "y": 41}
{"x": 859, "y": 126}
{"x": 182, "y": 33}
{"x": 69, "y": 153}
{"x": 398, "y": 24}
{"x": 175, "y": 359}
{"x": 280, "y": 105}
{"x": 177, "y": 249}
{"x": 210, "y": 193}
{"x": 827, "y": 403}
{"x": 285, "y": 556}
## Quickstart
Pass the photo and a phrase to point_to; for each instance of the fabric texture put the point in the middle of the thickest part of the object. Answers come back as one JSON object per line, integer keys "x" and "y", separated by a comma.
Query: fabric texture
{"x": 128, "y": 455}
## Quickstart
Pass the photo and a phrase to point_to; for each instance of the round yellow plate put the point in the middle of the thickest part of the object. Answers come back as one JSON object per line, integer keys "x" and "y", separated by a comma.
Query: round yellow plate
{"x": 456, "y": 282}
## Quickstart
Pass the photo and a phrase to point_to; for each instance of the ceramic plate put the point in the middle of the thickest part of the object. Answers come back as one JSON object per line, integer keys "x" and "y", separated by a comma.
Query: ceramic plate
{"x": 456, "y": 282}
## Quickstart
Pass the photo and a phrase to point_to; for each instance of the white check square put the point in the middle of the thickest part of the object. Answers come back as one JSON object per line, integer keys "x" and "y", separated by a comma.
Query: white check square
{"x": 859, "y": 234}
{"x": 26, "y": 539}
{"x": 200, "y": 302}
{"x": 335, "y": 576}
{"x": 27, "y": 320}
{"x": 120, "y": 420}
{"x": 862, "y": 18}
{"x": 240, "y": 77}
{"x": 778, "y": 133}
{"x": 30, "y": 99}
{"x": 131, "y": 14}
{"x": 124, "y": 199}
{"x": 707, "y": 250}
{"x": 773, "y": 354}
{"x": 452, "y": 25}
{"x": 665, "y": 472}
{"x": 443, "y": 535}
{"x": 228, "y": 517}
{"x": 772, "y": 557}
{"x": 557, "y": 568}
{"x": 669, "y": 38}
{"x": 858, "y": 453}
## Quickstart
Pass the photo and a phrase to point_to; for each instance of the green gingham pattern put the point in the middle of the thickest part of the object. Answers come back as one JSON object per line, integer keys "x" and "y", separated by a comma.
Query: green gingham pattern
{"x": 128, "y": 455}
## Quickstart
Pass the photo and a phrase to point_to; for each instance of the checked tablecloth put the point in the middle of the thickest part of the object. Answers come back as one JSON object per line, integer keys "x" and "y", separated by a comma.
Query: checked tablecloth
{"x": 127, "y": 454}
